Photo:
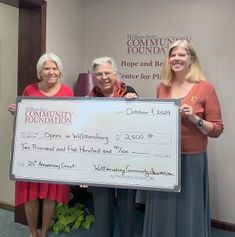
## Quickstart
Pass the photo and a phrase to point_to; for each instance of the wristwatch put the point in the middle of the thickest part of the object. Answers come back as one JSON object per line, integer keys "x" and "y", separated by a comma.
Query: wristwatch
{"x": 200, "y": 122}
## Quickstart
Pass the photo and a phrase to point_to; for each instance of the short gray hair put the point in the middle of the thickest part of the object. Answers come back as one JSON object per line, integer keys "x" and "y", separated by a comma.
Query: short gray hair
{"x": 102, "y": 60}
{"x": 48, "y": 57}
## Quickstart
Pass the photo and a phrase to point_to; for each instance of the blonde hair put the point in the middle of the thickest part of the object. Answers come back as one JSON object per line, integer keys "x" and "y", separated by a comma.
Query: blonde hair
{"x": 194, "y": 74}
{"x": 48, "y": 57}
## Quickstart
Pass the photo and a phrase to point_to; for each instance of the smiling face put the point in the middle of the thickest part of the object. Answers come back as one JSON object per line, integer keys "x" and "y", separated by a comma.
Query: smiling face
{"x": 105, "y": 78}
{"x": 50, "y": 73}
{"x": 179, "y": 60}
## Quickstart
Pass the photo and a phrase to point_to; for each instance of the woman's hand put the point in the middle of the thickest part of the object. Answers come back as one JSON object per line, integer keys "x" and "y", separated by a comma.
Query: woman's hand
{"x": 187, "y": 111}
{"x": 12, "y": 108}
{"x": 130, "y": 96}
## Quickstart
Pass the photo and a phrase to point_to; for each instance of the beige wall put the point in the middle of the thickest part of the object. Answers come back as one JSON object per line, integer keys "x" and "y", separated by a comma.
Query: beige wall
{"x": 8, "y": 80}
{"x": 65, "y": 37}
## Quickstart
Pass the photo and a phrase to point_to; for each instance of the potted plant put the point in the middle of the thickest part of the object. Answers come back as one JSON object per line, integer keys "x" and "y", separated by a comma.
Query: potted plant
{"x": 68, "y": 218}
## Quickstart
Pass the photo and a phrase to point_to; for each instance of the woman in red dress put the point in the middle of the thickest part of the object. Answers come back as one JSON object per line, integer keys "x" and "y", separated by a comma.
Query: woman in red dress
{"x": 49, "y": 70}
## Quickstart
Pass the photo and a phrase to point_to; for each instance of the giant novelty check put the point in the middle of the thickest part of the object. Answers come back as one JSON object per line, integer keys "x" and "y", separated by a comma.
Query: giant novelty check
{"x": 98, "y": 142}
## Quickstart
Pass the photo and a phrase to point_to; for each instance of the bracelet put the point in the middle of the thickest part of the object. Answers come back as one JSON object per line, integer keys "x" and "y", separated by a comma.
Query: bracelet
{"x": 200, "y": 122}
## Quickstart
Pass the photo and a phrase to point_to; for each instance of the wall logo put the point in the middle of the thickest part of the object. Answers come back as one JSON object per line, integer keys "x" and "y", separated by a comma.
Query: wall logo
{"x": 38, "y": 115}
{"x": 146, "y": 44}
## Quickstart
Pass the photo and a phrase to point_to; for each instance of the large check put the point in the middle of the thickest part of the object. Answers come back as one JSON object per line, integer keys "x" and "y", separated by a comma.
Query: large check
{"x": 98, "y": 142}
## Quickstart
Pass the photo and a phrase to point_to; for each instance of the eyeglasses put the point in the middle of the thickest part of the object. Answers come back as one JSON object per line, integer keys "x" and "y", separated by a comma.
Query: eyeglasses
{"x": 102, "y": 74}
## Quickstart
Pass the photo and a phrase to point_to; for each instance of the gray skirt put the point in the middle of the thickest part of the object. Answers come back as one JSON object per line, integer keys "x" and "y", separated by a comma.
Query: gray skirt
{"x": 184, "y": 214}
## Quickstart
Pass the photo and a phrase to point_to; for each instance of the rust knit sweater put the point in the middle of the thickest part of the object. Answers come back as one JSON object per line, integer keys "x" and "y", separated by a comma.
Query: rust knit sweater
{"x": 204, "y": 101}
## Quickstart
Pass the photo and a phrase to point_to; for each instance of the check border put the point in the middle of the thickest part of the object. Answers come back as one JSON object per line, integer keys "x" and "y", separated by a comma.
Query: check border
{"x": 20, "y": 172}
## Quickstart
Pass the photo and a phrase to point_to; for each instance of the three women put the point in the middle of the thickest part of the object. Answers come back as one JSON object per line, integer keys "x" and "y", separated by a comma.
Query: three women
{"x": 184, "y": 214}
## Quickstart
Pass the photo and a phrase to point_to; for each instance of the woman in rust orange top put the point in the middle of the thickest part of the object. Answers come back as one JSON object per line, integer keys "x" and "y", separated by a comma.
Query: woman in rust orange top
{"x": 186, "y": 214}
{"x": 49, "y": 71}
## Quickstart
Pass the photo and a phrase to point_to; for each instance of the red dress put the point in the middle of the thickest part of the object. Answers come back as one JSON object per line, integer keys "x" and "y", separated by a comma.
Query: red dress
{"x": 26, "y": 191}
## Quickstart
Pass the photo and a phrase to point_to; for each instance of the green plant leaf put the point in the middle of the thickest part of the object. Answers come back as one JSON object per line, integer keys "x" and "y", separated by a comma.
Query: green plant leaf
{"x": 87, "y": 223}
{"x": 77, "y": 223}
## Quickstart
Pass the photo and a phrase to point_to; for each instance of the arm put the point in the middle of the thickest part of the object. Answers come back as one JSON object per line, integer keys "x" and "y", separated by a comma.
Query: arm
{"x": 211, "y": 124}
{"x": 204, "y": 126}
